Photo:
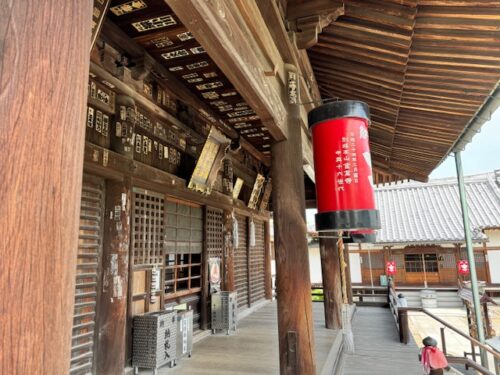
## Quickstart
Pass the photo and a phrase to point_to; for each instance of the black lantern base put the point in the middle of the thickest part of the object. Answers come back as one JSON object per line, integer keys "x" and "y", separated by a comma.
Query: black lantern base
{"x": 347, "y": 220}
{"x": 361, "y": 238}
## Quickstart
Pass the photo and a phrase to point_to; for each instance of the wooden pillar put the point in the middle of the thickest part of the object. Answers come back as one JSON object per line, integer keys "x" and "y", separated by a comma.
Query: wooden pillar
{"x": 205, "y": 284}
{"x": 112, "y": 319}
{"x": 43, "y": 85}
{"x": 348, "y": 274}
{"x": 296, "y": 342}
{"x": 249, "y": 268}
{"x": 268, "y": 281}
{"x": 228, "y": 252}
{"x": 332, "y": 284}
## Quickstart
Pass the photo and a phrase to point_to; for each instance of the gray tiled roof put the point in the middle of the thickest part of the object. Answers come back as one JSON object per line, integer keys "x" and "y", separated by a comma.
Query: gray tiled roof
{"x": 430, "y": 212}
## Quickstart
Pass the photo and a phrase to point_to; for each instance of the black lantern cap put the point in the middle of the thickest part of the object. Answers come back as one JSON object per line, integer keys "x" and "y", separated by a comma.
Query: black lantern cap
{"x": 347, "y": 220}
{"x": 340, "y": 109}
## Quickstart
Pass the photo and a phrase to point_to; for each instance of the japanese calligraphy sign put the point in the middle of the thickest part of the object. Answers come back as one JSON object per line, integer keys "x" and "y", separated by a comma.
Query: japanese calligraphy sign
{"x": 257, "y": 188}
{"x": 390, "y": 268}
{"x": 344, "y": 185}
{"x": 463, "y": 267}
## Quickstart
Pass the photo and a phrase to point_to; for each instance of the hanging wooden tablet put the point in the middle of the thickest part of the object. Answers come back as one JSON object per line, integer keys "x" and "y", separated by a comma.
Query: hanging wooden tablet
{"x": 257, "y": 188}
{"x": 209, "y": 162}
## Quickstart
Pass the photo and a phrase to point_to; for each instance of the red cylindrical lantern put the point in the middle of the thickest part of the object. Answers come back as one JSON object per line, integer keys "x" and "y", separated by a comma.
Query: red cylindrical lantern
{"x": 390, "y": 268}
{"x": 344, "y": 184}
{"x": 463, "y": 267}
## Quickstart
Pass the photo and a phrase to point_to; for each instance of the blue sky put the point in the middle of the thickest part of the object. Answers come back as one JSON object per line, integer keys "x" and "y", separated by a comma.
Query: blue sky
{"x": 480, "y": 155}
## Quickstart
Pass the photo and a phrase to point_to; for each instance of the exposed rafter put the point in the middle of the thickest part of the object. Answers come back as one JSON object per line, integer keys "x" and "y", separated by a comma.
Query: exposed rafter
{"x": 308, "y": 19}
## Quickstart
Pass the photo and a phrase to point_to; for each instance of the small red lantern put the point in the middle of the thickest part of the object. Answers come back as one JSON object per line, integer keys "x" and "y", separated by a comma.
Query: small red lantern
{"x": 390, "y": 268}
{"x": 342, "y": 162}
{"x": 463, "y": 267}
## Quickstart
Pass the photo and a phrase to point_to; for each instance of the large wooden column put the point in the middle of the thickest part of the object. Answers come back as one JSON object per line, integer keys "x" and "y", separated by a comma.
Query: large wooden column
{"x": 112, "y": 319}
{"x": 332, "y": 284}
{"x": 44, "y": 47}
{"x": 295, "y": 320}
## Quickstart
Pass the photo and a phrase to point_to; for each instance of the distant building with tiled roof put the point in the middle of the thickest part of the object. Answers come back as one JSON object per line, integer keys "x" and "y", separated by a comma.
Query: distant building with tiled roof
{"x": 422, "y": 231}
{"x": 429, "y": 213}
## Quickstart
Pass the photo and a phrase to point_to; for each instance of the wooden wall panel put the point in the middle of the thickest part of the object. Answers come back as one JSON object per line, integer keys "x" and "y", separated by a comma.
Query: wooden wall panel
{"x": 257, "y": 267}
{"x": 87, "y": 276}
{"x": 241, "y": 264}
{"x": 147, "y": 228}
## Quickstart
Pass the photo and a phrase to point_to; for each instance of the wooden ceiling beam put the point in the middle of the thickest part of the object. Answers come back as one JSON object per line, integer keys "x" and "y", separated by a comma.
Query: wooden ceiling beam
{"x": 113, "y": 35}
{"x": 222, "y": 30}
{"x": 308, "y": 19}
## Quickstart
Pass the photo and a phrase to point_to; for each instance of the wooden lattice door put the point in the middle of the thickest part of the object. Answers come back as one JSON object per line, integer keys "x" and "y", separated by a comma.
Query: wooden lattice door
{"x": 257, "y": 268}
{"x": 214, "y": 244}
{"x": 147, "y": 250}
{"x": 87, "y": 276}
{"x": 241, "y": 264}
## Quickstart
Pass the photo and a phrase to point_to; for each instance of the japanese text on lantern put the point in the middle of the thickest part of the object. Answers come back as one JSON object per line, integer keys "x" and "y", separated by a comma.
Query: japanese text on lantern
{"x": 346, "y": 163}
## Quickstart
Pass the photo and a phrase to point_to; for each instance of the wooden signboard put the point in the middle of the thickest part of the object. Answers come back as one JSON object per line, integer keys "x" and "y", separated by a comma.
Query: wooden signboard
{"x": 237, "y": 187}
{"x": 210, "y": 162}
{"x": 257, "y": 188}
{"x": 266, "y": 195}
{"x": 98, "y": 15}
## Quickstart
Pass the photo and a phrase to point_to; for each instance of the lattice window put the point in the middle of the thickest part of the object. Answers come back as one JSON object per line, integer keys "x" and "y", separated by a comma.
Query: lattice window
{"x": 148, "y": 227}
{"x": 215, "y": 233}
{"x": 415, "y": 263}
{"x": 184, "y": 239}
{"x": 257, "y": 264}
{"x": 449, "y": 261}
{"x": 377, "y": 260}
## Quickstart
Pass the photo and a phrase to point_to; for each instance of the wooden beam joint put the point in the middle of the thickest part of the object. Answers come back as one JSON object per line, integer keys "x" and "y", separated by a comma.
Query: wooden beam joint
{"x": 307, "y": 23}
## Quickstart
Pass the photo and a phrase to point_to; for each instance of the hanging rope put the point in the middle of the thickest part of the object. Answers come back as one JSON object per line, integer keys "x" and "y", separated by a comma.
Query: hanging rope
{"x": 346, "y": 309}
{"x": 343, "y": 264}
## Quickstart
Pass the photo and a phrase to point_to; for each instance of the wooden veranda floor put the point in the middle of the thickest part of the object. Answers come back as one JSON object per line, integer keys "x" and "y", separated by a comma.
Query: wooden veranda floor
{"x": 377, "y": 347}
{"x": 253, "y": 349}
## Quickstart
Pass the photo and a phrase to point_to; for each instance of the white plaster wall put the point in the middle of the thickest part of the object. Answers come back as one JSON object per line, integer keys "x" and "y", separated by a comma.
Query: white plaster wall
{"x": 355, "y": 263}
{"x": 493, "y": 236}
{"x": 315, "y": 265}
{"x": 494, "y": 264}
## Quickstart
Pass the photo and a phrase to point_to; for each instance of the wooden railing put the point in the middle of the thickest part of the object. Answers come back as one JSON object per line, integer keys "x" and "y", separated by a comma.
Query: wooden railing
{"x": 400, "y": 315}
{"x": 370, "y": 296}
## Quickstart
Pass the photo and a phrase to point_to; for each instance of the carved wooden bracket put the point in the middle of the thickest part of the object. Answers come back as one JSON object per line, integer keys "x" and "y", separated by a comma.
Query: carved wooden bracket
{"x": 308, "y": 23}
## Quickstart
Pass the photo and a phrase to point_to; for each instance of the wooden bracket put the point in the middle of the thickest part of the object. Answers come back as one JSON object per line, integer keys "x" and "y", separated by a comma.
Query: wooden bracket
{"x": 308, "y": 23}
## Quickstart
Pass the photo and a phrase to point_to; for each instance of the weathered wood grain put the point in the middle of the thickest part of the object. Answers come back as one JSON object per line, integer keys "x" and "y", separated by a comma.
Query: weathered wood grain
{"x": 44, "y": 48}
{"x": 414, "y": 63}
{"x": 332, "y": 285}
{"x": 253, "y": 349}
{"x": 221, "y": 28}
{"x": 378, "y": 350}
{"x": 115, "y": 271}
{"x": 292, "y": 262}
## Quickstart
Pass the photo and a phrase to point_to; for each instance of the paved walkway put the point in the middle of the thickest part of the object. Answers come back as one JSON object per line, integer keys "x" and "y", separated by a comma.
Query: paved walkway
{"x": 422, "y": 325}
{"x": 252, "y": 350}
{"x": 377, "y": 347}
